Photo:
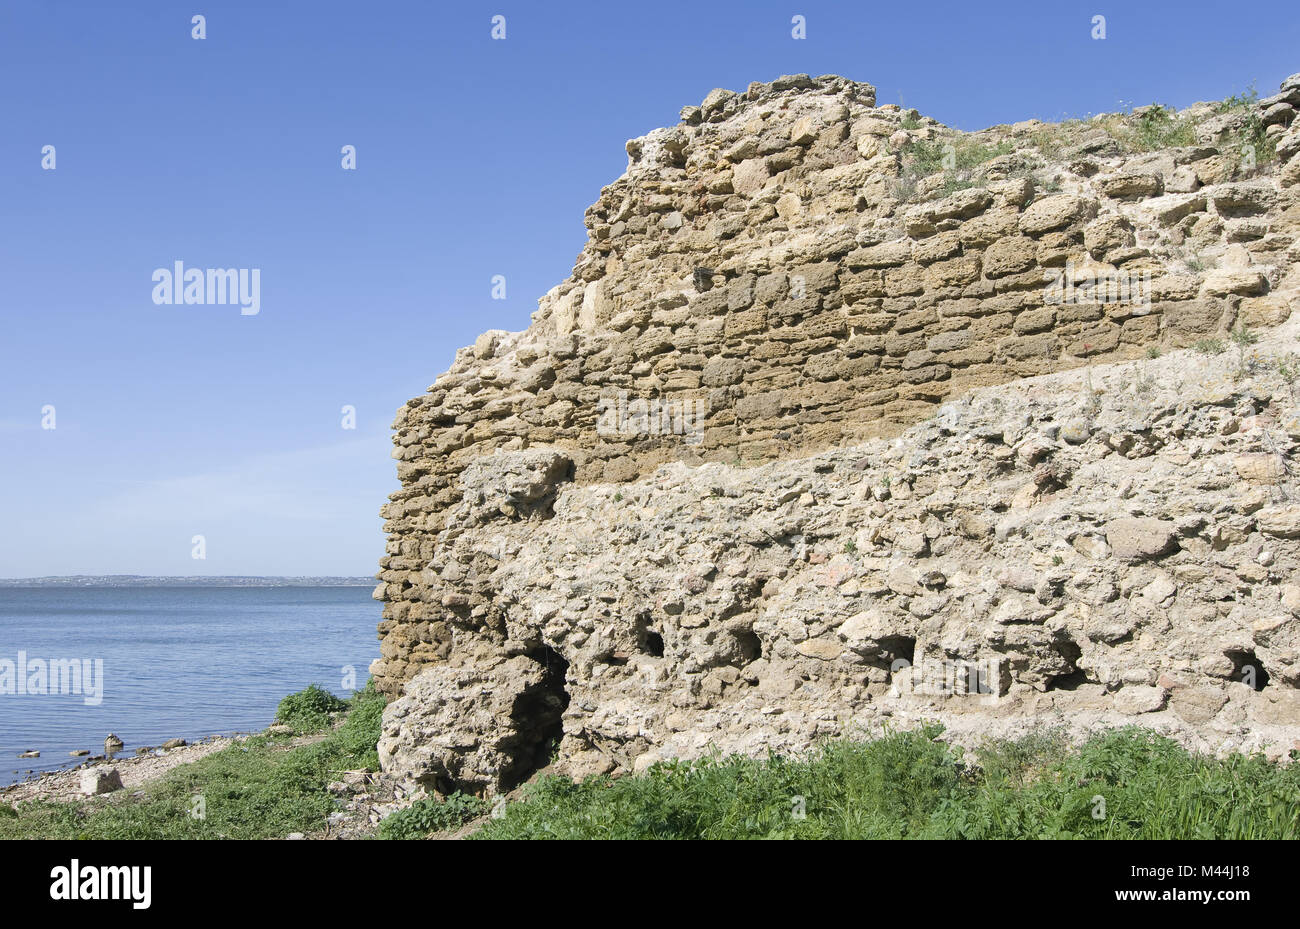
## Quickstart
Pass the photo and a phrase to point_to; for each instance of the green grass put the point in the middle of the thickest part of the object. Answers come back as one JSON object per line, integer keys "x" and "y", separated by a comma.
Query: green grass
{"x": 258, "y": 788}
{"x": 1160, "y": 128}
{"x": 1156, "y": 128}
{"x": 910, "y": 785}
{"x": 429, "y": 815}
{"x": 1127, "y": 783}
{"x": 309, "y": 709}
{"x": 1245, "y": 100}
{"x": 1250, "y": 137}
{"x": 1289, "y": 367}
{"x": 957, "y": 157}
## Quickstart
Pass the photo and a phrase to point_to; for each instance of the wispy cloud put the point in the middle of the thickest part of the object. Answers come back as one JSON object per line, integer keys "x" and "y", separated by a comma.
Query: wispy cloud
{"x": 302, "y": 484}
{"x": 288, "y": 512}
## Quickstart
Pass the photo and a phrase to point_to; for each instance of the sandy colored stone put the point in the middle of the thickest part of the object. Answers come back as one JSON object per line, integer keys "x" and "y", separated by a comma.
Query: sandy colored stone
{"x": 783, "y": 384}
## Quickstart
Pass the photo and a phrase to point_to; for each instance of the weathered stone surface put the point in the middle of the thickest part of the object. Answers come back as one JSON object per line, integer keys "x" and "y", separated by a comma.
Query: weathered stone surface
{"x": 749, "y": 175}
{"x": 1197, "y": 705}
{"x": 1130, "y": 184}
{"x": 885, "y": 255}
{"x": 1261, "y": 467}
{"x": 1133, "y": 700}
{"x": 1229, "y": 281}
{"x": 1280, "y": 521}
{"x": 1009, "y": 256}
{"x": 1052, "y": 212}
{"x": 100, "y": 780}
{"x": 1264, "y": 312}
{"x": 1134, "y": 539}
{"x": 1107, "y": 233}
{"x": 473, "y": 728}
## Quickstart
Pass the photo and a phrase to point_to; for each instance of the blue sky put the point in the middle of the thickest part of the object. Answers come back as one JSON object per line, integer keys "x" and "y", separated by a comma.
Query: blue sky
{"x": 475, "y": 158}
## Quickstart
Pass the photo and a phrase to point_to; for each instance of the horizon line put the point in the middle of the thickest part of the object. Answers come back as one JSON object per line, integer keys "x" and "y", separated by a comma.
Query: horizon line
{"x": 192, "y": 577}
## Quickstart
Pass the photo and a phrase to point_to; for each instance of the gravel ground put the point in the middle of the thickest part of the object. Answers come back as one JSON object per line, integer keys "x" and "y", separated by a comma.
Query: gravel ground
{"x": 135, "y": 770}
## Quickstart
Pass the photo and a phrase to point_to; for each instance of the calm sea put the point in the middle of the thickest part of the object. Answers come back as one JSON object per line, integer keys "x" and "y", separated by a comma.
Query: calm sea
{"x": 178, "y": 662}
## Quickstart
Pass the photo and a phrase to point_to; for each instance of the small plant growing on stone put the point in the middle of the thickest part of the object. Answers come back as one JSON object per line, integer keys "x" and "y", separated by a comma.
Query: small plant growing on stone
{"x": 1153, "y": 351}
{"x": 1288, "y": 366}
{"x": 1057, "y": 560}
{"x": 1243, "y": 101}
{"x": 1091, "y": 395}
{"x": 618, "y": 497}
{"x": 850, "y": 547}
{"x": 1247, "y": 140}
{"x": 953, "y": 183}
{"x": 904, "y": 188}
{"x": 1243, "y": 338}
{"x": 1209, "y": 346}
{"x": 1159, "y": 127}
{"x": 957, "y": 158}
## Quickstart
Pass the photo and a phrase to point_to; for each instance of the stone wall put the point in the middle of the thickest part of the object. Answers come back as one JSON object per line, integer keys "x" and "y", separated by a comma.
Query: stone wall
{"x": 773, "y": 277}
{"x": 1084, "y": 550}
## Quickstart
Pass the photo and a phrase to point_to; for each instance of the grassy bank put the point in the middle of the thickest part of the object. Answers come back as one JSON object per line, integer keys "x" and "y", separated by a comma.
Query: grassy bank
{"x": 259, "y": 788}
{"x": 1127, "y": 783}
{"x": 1123, "y": 784}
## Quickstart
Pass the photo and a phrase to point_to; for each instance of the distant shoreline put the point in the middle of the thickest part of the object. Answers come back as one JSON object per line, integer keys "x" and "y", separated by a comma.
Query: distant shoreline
{"x": 143, "y": 580}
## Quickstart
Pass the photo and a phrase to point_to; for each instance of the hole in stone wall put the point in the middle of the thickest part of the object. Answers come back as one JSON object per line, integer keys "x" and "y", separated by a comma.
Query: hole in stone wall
{"x": 748, "y": 646}
{"x": 648, "y": 641}
{"x": 1075, "y": 677}
{"x": 1246, "y": 669}
{"x": 538, "y": 716}
{"x": 895, "y": 647}
{"x": 1071, "y": 681}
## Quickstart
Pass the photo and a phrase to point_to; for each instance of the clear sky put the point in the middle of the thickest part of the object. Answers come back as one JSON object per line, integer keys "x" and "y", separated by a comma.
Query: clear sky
{"x": 475, "y": 157}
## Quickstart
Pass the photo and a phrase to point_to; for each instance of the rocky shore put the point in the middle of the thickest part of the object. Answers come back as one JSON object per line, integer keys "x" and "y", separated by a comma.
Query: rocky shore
{"x": 134, "y": 771}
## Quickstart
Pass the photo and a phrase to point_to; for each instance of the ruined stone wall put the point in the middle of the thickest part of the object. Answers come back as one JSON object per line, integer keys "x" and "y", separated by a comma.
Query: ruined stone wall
{"x": 1081, "y": 550}
{"x": 776, "y": 277}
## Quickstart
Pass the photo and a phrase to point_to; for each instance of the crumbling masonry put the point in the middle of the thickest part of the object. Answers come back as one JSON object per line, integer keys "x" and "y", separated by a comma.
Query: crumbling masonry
{"x": 927, "y": 421}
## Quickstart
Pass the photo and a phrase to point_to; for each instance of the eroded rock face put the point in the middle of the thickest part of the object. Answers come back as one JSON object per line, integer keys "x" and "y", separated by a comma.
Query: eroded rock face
{"x": 482, "y": 727}
{"x": 745, "y": 479}
{"x": 1130, "y": 575}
